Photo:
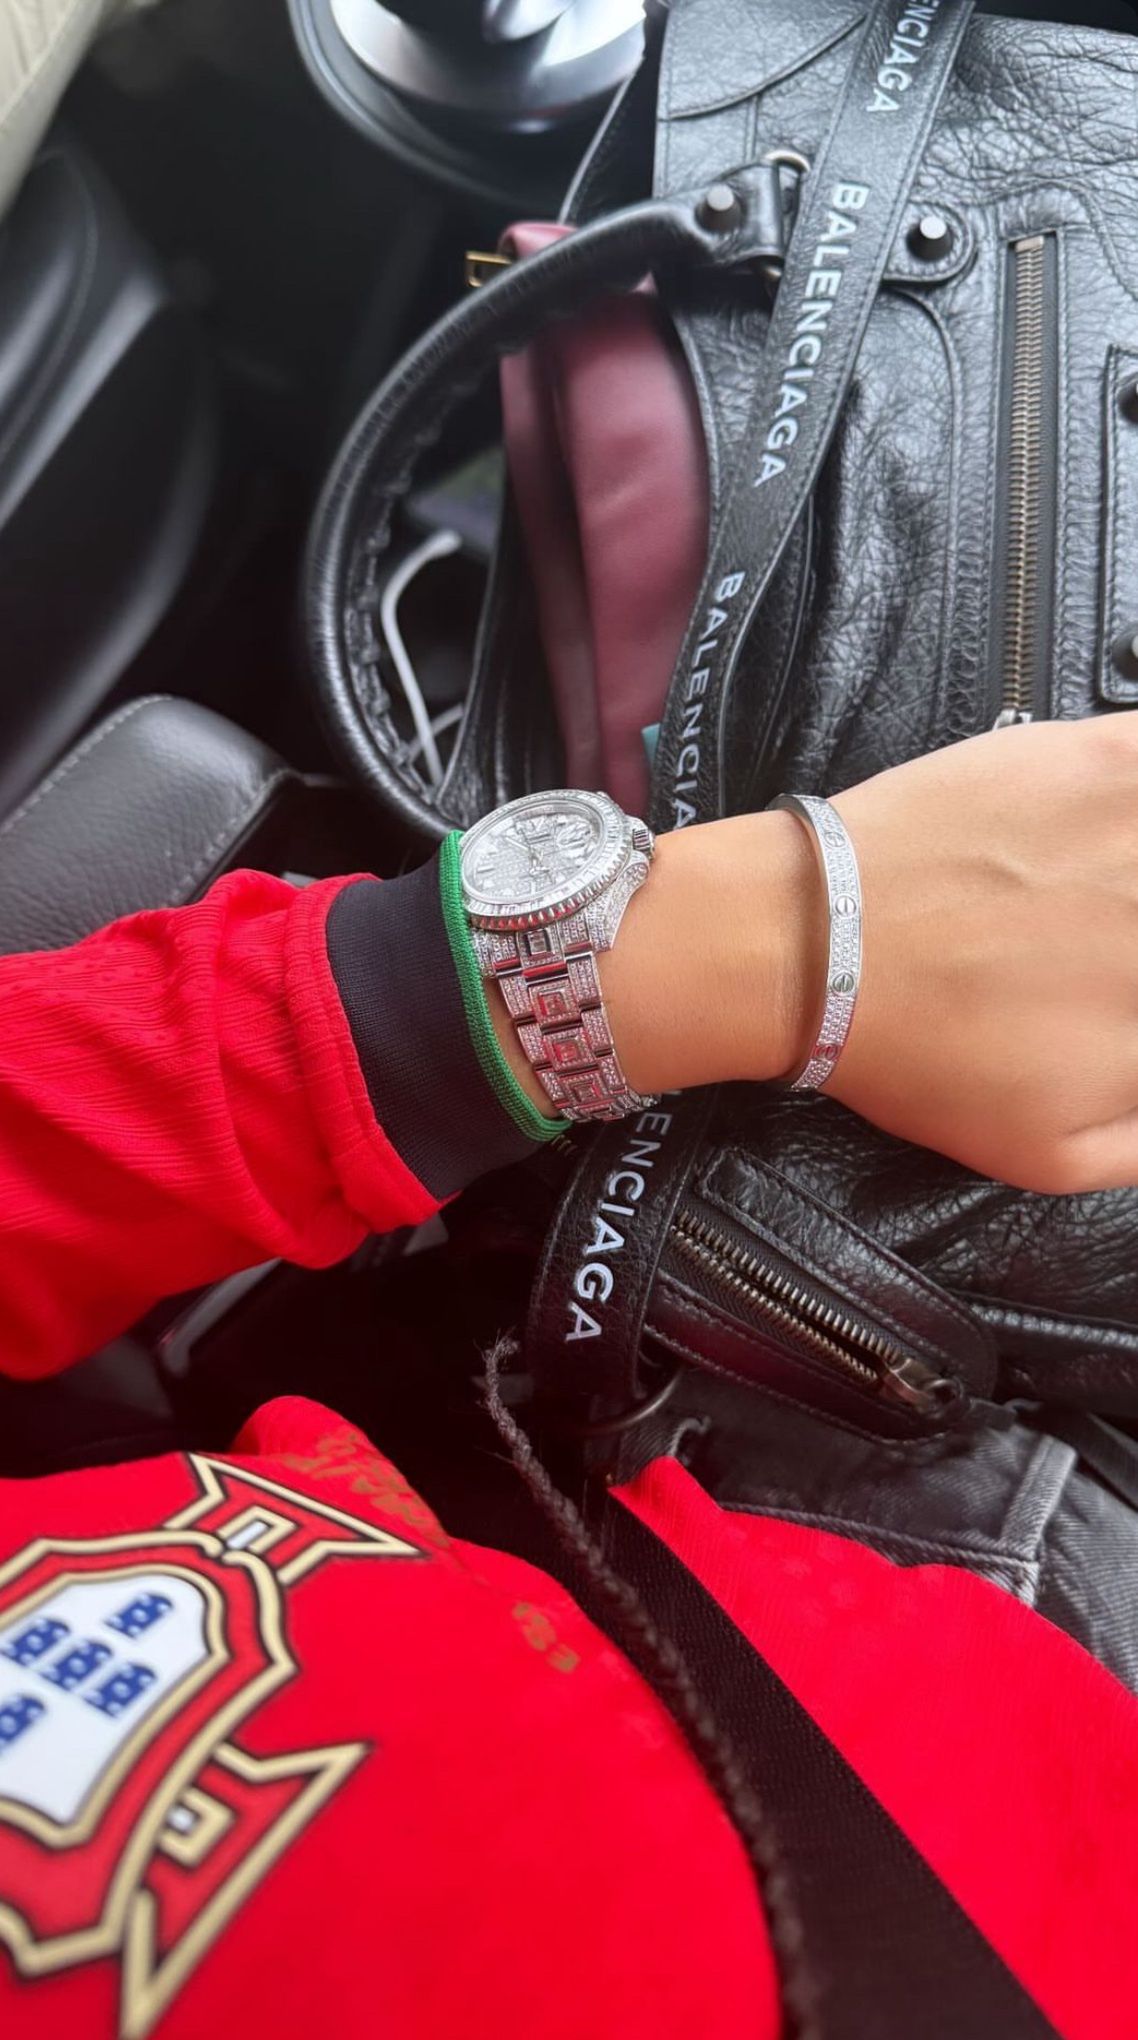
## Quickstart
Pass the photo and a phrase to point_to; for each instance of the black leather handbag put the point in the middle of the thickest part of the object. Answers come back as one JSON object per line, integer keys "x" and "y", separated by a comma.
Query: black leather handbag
{"x": 923, "y": 452}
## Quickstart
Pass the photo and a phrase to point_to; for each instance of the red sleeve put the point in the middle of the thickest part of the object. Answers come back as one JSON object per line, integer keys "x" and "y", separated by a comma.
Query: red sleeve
{"x": 179, "y": 1098}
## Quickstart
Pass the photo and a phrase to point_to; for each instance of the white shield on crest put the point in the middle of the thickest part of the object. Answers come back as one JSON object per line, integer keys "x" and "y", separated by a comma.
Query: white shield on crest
{"x": 82, "y": 1671}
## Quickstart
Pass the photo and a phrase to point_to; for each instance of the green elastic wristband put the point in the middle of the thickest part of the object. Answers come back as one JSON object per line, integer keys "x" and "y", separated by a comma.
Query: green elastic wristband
{"x": 487, "y": 1048}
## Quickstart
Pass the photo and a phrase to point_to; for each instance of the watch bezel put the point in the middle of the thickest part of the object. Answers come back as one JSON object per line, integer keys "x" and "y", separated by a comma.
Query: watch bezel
{"x": 611, "y": 854}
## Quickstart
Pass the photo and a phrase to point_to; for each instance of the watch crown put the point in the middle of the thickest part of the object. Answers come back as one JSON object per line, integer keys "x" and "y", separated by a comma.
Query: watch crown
{"x": 642, "y": 838}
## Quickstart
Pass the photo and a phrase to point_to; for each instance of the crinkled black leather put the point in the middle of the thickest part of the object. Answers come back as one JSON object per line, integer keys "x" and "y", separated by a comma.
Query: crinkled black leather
{"x": 1036, "y": 132}
{"x": 877, "y": 641}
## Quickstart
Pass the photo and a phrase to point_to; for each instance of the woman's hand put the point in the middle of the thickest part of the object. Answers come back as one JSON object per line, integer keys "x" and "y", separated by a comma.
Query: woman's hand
{"x": 998, "y": 1019}
{"x": 998, "y": 1015}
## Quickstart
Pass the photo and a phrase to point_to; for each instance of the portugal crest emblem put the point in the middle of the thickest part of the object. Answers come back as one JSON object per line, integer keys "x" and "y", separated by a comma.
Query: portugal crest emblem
{"x": 128, "y": 1668}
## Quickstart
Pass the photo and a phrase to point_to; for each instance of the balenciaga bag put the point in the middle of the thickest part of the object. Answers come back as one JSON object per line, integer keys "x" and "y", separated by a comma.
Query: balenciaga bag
{"x": 893, "y": 307}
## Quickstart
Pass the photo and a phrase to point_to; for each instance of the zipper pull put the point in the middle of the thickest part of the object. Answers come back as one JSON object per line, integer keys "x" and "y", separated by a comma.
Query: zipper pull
{"x": 915, "y": 1386}
{"x": 1010, "y": 718}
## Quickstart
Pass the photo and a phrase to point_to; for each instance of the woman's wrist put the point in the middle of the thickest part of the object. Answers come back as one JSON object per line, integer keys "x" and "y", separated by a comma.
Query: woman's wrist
{"x": 714, "y": 972}
{"x": 710, "y": 976}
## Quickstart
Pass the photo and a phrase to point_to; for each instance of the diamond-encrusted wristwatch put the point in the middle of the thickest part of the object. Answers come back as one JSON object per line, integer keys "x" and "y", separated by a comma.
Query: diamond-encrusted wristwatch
{"x": 545, "y": 882}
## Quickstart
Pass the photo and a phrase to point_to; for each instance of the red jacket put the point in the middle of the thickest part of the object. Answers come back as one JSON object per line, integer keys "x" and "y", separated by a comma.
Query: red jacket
{"x": 277, "y": 1757}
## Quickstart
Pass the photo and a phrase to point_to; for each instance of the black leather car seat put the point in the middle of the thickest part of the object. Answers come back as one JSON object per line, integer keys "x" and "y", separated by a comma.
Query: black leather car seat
{"x": 153, "y": 805}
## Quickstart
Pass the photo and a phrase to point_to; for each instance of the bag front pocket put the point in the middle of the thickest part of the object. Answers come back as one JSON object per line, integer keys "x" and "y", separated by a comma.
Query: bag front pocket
{"x": 763, "y": 1280}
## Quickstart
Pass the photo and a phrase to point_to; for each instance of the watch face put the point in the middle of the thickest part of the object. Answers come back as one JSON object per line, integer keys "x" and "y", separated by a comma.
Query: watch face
{"x": 541, "y": 857}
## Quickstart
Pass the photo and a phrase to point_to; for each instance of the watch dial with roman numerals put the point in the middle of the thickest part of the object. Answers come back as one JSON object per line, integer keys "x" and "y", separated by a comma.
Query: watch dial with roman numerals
{"x": 540, "y": 856}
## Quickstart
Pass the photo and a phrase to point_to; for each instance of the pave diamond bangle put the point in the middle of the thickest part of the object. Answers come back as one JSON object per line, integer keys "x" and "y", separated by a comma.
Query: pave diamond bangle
{"x": 843, "y": 965}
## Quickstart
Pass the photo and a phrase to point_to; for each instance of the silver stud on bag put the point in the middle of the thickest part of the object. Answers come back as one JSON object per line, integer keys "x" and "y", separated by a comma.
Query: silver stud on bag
{"x": 843, "y": 963}
{"x": 931, "y": 237}
{"x": 720, "y": 208}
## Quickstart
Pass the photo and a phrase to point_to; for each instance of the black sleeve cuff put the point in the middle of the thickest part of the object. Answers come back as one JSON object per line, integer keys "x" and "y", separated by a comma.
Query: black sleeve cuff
{"x": 392, "y": 960}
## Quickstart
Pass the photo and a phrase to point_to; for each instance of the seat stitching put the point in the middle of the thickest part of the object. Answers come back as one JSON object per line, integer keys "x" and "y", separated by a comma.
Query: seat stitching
{"x": 189, "y": 882}
{"x": 73, "y": 758}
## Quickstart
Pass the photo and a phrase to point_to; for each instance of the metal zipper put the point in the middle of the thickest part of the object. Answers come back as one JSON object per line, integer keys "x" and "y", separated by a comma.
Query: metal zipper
{"x": 829, "y": 1334}
{"x": 1025, "y": 551}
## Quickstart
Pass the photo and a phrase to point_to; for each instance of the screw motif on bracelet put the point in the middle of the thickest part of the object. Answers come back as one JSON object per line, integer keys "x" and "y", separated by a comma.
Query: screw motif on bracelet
{"x": 843, "y": 962}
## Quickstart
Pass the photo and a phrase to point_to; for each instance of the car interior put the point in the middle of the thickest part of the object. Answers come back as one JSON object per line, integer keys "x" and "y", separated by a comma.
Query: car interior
{"x": 238, "y": 220}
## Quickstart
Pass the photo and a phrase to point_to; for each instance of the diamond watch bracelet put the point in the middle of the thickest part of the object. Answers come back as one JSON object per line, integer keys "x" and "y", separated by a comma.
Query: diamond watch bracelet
{"x": 545, "y": 883}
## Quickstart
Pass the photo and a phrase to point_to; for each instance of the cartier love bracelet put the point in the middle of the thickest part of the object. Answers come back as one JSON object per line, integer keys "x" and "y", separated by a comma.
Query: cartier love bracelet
{"x": 843, "y": 963}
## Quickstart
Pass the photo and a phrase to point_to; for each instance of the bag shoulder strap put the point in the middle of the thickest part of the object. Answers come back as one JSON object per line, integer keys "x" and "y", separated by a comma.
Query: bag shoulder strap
{"x": 852, "y": 201}
{"x": 848, "y": 1865}
{"x": 851, "y": 206}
